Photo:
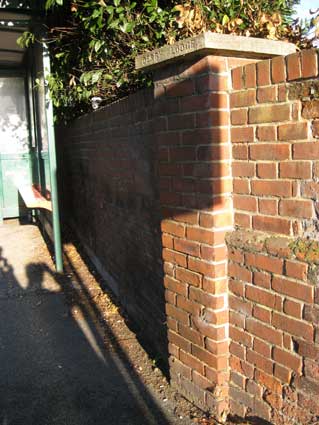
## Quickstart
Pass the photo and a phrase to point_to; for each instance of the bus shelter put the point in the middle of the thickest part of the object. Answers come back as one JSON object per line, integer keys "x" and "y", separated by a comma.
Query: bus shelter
{"x": 28, "y": 168}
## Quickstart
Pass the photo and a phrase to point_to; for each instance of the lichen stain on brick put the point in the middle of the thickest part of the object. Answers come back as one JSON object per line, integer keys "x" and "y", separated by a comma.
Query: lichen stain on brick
{"x": 305, "y": 250}
{"x": 303, "y": 90}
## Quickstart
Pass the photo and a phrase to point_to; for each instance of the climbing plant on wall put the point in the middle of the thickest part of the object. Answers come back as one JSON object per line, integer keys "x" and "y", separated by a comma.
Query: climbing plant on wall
{"x": 94, "y": 43}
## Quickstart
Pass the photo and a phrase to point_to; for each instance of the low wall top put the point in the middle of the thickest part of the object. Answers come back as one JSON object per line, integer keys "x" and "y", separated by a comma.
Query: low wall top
{"x": 215, "y": 44}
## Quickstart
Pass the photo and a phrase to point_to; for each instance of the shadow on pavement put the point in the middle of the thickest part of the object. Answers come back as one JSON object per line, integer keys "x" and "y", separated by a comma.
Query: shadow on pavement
{"x": 61, "y": 363}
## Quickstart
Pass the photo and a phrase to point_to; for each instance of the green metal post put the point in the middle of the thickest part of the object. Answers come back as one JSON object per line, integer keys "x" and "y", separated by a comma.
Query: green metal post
{"x": 53, "y": 168}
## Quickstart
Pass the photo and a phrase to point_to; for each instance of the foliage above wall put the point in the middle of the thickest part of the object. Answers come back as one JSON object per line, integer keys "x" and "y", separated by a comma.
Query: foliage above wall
{"x": 94, "y": 43}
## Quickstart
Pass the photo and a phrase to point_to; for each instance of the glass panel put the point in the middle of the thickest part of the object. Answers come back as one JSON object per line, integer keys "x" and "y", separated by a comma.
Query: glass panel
{"x": 14, "y": 137}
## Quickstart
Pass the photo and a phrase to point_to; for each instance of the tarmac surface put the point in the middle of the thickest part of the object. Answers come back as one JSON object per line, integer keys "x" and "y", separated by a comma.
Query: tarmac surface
{"x": 55, "y": 367}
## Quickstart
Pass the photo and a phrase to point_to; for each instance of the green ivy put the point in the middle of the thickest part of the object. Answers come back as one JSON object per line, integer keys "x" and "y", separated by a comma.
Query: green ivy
{"x": 94, "y": 43}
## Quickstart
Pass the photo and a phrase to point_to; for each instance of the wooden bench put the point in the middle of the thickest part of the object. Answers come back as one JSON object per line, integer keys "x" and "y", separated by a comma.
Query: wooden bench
{"x": 33, "y": 198}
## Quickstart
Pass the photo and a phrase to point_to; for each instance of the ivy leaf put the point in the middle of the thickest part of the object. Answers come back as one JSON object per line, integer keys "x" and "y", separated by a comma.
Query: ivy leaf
{"x": 98, "y": 44}
{"x": 127, "y": 27}
{"x": 96, "y": 76}
{"x": 225, "y": 20}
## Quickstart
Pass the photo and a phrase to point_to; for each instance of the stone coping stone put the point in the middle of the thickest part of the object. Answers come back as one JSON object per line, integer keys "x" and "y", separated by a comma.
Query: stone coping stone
{"x": 209, "y": 43}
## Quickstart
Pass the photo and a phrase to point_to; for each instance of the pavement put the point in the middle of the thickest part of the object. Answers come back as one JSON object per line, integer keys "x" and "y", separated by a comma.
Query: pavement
{"x": 54, "y": 365}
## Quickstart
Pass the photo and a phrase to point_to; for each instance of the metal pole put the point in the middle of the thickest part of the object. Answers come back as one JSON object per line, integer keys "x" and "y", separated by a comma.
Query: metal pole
{"x": 53, "y": 167}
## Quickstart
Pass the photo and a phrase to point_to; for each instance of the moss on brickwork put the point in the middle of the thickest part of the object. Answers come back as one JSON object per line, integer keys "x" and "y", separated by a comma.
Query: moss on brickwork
{"x": 303, "y": 90}
{"x": 306, "y": 250}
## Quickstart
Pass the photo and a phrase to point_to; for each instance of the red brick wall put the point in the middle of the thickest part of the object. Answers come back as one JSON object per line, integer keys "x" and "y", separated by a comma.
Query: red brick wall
{"x": 274, "y": 129}
{"x": 153, "y": 183}
{"x": 195, "y": 179}
{"x": 110, "y": 195}
{"x": 162, "y": 161}
{"x": 273, "y": 286}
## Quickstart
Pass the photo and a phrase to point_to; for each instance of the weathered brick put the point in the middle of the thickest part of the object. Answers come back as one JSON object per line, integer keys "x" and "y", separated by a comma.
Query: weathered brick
{"x": 243, "y": 202}
{"x": 240, "y": 336}
{"x": 296, "y": 269}
{"x": 212, "y": 118}
{"x": 190, "y": 334}
{"x": 223, "y": 219}
{"x": 293, "y": 289}
{"x": 187, "y": 276}
{"x": 175, "y": 286}
{"x": 180, "y": 88}
{"x": 268, "y": 381}
{"x": 269, "y": 113}
{"x": 310, "y": 109}
{"x": 188, "y": 305}
{"x": 278, "y": 69}
{"x": 244, "y": 98}
{"x": 241, "y": 306}
{"x": 239, "y": 116}
{"x": 243, "y": 169}
{"x": 262, "y": 314}
{"x": 307, "y": 150}
{"x": 167, "y": 241}
{"x": 205, "y": 268}
{"x": 293, "y": 308}
{"x": 174, "y": 257}
{"x": 237, "y": 78}
{"x": 293, "y": 326}
{"x": 293, "y": 131}
{"x": 267, "y": 94}
{"x": 267, "y": 170}
{"x": 263, "y": 73}
{"x": 236, "y": 287}
{"x": 293, "y": 66}
{"x": 170, "y": 297}
{"x": 263, "y": 331}
{"x": 201, "y": 235}
{"x": 242, "y": 220}
{"x": 262, "y": 348}
{"x": 264, "y": 262}
{"x": 212, "y": 82}
{"x": 296, "y": 208}
{"x": 260, "y": 296}
{"x": 307, "y": 349}
{"x": 266, "y": 133}
{"x": 262, "y": 279}
{"x": 178, "y": 341}
{"x": 311, "y": 370}
{"x": 309, "y": 63}
{"x": 295, "y": 170}
{"x": 213, "y": 253}
{"x": 241, "y": 186}
{"x": 259, "y": 361}
{"x": 240, "y": 151}
{"x": 237, "y": 379}
{"x": 242, "y": 134}
{"x": 271, "y": 188}
{"x": 269, "y": 151}
{"x": 215, "y": 287}
{"x": 240, "y": 272}
{"x": 237, "y": 350}
{"x": 217, "y": 348}
{"x": 250, "y": 75}
{"x": 208, "y": 358}
{"x": 191, "y": 362}
{"x": 268, "y": 206}
{"x": 180, "y": 315}
{"x": 272, "y": 224}
{"x": 210, "y": 301}
{"x": 283, "y": 374}
{"x": 311, "y": 314}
